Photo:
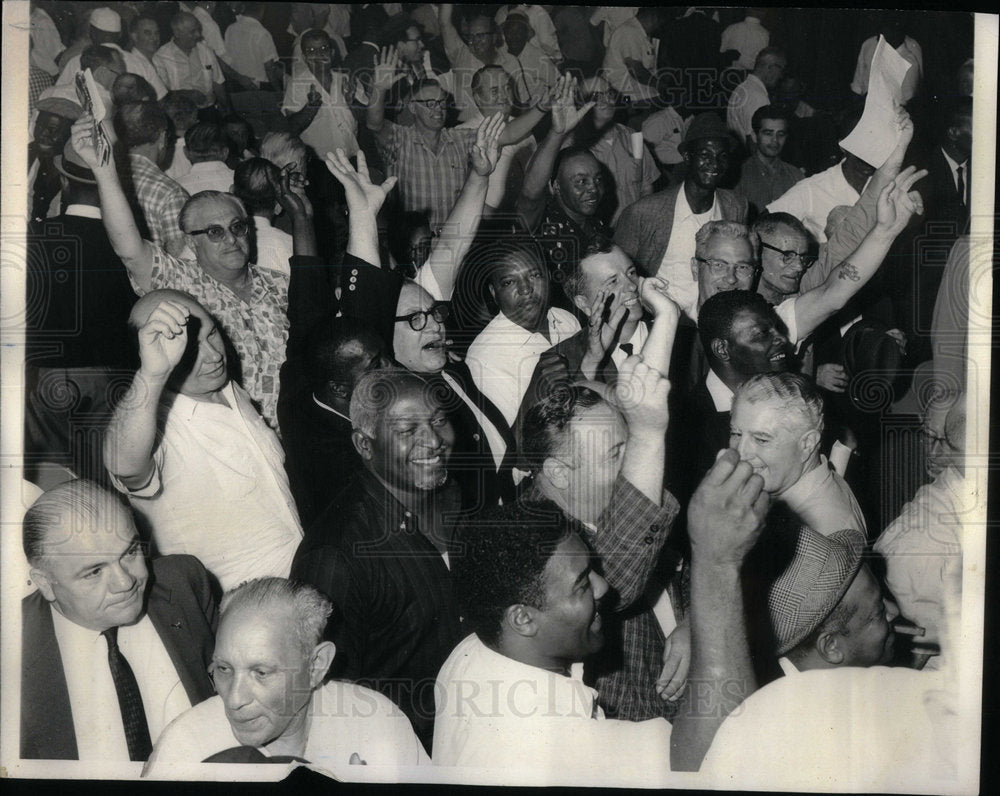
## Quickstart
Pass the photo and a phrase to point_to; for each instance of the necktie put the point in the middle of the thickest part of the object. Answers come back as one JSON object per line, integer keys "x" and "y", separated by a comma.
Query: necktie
{"x": 961, "y": 185}
{"x": 627, "y": 348}
{"x": 129, "y": 700}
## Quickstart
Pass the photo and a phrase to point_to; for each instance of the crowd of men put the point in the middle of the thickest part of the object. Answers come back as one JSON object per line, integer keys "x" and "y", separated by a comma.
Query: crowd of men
{"x": 425, "y": 384}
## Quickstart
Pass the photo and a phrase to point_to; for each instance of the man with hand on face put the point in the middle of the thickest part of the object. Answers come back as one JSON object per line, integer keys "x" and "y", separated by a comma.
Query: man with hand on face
{"x": 112, "y": 649}
{"x": 190, "y": 451}
{"x": 268, "y": 667}
{"x": 318, "y": 99}
{"x": 381, "y": 550}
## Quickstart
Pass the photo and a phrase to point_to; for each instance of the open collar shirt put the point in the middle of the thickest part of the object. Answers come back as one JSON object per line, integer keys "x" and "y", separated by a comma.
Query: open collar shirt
{"x": 676, "y": 264}
{"x": 824, "y": 501}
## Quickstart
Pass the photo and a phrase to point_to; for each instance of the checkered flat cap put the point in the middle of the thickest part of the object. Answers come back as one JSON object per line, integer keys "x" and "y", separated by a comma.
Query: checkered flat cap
{"x": 813, "y": 583}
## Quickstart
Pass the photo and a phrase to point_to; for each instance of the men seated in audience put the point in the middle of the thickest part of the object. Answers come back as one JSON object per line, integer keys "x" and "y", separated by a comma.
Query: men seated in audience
{"x": 269, "y": 664}
{"x": 251, "y": 52}
{"x": 658, "y": 232}
{"x": 776, "y": 426}
{"x": 143, "y": 128}
{"x": 104, "y": 30}
{"x": 923, "y": 546}
{"x": 752, "y": 93}
{"x": 315, "y": 414}
{"x": 532, "y": 597}
{"x": 190, "y": 451}
{"x": 537, "y": 72}
{"x": 764, "y": 176}
{"x": 206, "y": 148}
{"x": 608, "y": 475}
{"x": 250, "y": 303}
{"x": 112, "y": 648}
{"x": 380, "y": 551}
{"x": 630, "y": 57}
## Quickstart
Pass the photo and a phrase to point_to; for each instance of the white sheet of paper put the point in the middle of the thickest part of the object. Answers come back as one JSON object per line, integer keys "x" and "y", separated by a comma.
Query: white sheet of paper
{"x": 876, "y": 133}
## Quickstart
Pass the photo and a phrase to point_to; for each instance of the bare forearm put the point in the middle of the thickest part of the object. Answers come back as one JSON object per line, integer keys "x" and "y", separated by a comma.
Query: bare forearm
{"x": 660, "y": 342}
{"x": 536, "y": 179}
{"x": 721, "y": 674}
{"x": 119, "y": 223}
{"x": 520, "y": 128}
{"x": 362, "y": 239}
{"x": 131, "y": 435}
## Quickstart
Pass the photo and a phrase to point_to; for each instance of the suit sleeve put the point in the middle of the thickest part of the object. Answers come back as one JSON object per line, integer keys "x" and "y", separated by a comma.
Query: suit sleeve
{"x": 370, "y": 294}
{"x": 630, "y": 535}
{"x": 628, "y": 233}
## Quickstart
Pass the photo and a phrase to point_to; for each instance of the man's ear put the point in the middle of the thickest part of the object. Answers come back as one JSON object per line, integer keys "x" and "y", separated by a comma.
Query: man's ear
{"x": 492, "y": 290}
{"x": 320, "y": 661}
{"x": 720, "y": 349}
{"x": 829, "y": 648}
{"x": 694, "y": 269}
{"x": 556, "y": 473}
{"x": 582, "y": 304}
{"x": 808, "y": 443}
{"x": 554, "y": 187}
{"x": 362, "y": 444}
{"x": 521, "y": 620}
{"x": 41, "y": 579}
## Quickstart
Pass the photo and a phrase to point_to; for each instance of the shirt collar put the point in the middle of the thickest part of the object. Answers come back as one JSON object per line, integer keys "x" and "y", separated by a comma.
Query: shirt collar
{"x": 797, "y": 495}
{"x": 953, "y": 165}
{"x": 83, "y": 211}
{"x": 69, "y": 633}
{"x": 185, "y": 407}
{"x": 722, "y": 396}
{"x": 503, "y": 323}
{"x": 322, "y": 405}
{"x": 683, "y": 211}
{"x": 787, "y": 667}
{"x": 260, "y": 223}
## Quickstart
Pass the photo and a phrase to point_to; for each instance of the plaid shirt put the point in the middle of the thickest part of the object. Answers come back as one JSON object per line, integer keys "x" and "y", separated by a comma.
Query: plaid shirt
{"x": 428, "y": 181}
{"x": 628, "y": 540}
{"x": 159, "y": 197}
{"x": 258, "y": 329}
{"x": 38, "y": 81}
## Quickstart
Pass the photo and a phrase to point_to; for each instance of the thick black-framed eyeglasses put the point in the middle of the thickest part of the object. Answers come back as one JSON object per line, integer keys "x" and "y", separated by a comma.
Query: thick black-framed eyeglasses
{"x": 788, "y": 256}
{"x": 418, "y": 319}
{"x": 216, "y": 233}
{"x": 432, "y": 104}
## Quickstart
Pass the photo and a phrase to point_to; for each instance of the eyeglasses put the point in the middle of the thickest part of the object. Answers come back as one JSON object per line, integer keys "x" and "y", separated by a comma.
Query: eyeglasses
{"x": 324, "y": 50}
{"x": 600, "y": 96}
{"x": 418, "y": 319}
{"x": 931, "y": 439}
{"x": 432, "y": 104}
{"x": 216, "y": 233}
{"x": 789, "y": 256}
{"x": 720, "y": 267}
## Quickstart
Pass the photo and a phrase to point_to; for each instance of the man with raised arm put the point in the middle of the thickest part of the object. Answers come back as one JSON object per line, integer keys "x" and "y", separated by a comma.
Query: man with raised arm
{"x": 193, "y": 455}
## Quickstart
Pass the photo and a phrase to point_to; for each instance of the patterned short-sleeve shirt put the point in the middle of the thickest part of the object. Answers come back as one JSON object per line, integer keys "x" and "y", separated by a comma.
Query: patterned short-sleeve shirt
{"x": 428, "y": 181}
{"x": 258, "y": 329}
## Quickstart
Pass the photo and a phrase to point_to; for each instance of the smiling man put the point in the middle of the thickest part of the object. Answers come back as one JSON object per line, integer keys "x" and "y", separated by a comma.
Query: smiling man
{"x": 113, "y": 648}
{"x": 191, "y": 452}
{"x": 380, "y": 551}
{"x": 268, "y": 668}
{"x": 658, "y": 231}
{"x": 776, "y": 426}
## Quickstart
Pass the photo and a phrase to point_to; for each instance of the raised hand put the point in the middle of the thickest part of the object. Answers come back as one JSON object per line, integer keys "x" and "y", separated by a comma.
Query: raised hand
{"x": 386, "y": 65}
{"x": 676, "y": 661}
{"x": 904, "y": 126}
{"x": 655, "y": 298}
{"x": 82, "y": 137}
{"x": 832, "y": 377}
{"x": 726, "y": 512}
{"x": 486, "y": 150}
{"x": 292, "y": 201}
{"x": 553, "y": 372}
{"x": 641, "y": 393}
{"x": 565, "y": 114}
{"x": 362, "y": 195}
{"x": 897, "y": 203}
{"x": 163, "y": 339}
{"x": 602, "y": 335}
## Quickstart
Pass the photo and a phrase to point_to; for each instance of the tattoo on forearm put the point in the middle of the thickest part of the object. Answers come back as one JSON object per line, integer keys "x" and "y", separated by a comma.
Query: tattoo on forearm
{"x": 848, "y": 271}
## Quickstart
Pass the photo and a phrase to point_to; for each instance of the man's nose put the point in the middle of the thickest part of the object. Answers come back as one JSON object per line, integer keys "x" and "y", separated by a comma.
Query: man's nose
{"x": 237, "y": 693}
{"x": 599, "y": 585}
{"x": 430, "y": 436}
{"x": 122, "y": 578}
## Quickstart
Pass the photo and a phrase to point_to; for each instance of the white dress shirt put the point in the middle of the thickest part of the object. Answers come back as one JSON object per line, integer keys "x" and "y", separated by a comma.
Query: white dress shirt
{"x": 811, "y": 200}
{"x": 274, "y": 247}
{"x": 46, "y": 40}
{"x": 97, "y": 718}
{"x": 221, "y": 467}
{"x": 250, "y": 46}
{"x": 676, "y": 264}
{"x": 748, "y": 96}
{"x": 492, "y": 711}
{"x": 334, "y": 125}
{"x": 135, "y": 62}
{"x": 748, "y": 37}
{"x": 503, "y": 356}
{"x": 211, "y": 34}
{"x": 954, "y": 166}
{"x": 198, "y": 70}
{"x": 629, "y": 40}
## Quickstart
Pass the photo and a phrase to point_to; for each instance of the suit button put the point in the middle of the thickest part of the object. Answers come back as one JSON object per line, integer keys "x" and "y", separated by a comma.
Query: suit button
{"x": 352, "y": 287}
{"x": 648, "y": 540}
{"x": 654, "y": 527}
{"x": 476, "y": 437}
{"x": 354, "y": 279}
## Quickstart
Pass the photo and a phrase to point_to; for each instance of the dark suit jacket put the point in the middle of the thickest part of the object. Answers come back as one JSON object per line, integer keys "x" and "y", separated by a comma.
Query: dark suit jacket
{"x": 644, "y": 227}
{"x": 943, "y": 205}
{"x": 183, "y": 611}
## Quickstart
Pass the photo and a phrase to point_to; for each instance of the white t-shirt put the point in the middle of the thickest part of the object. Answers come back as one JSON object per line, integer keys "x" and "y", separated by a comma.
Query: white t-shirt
{"x": 676, "y": 264}
{"x": 811, "y": 200}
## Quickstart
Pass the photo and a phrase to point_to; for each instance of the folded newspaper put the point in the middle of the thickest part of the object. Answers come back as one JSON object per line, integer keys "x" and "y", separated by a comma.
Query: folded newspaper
{"x": 90, "y": 100}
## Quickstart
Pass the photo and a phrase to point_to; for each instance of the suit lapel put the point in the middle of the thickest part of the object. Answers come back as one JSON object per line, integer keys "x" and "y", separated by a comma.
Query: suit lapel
{"x": 184, "y": 648}
{"x": 47, "y": 730}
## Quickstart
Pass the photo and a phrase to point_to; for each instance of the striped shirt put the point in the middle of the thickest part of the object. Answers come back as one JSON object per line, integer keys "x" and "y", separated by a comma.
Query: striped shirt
{"x": 159, "y": 198}
{"x": 429, "y": 181}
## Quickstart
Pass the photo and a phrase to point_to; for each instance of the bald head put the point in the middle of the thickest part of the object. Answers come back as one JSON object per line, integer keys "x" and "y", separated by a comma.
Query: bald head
{"x": 144, "y": 307}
